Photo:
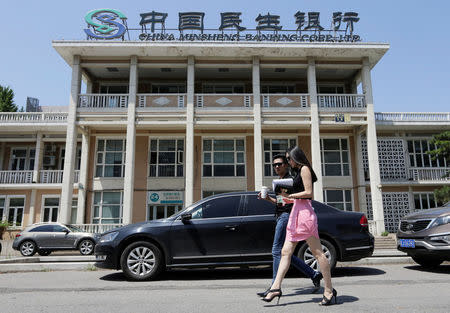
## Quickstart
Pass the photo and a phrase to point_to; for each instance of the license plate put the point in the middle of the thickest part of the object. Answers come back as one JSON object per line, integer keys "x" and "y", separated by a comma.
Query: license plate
{"x": 100, "y": 257}
{"x": 407, "y": 243}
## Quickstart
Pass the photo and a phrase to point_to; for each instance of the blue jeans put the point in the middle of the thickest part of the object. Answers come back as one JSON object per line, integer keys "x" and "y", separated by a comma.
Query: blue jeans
{"x": 278, "y": 241}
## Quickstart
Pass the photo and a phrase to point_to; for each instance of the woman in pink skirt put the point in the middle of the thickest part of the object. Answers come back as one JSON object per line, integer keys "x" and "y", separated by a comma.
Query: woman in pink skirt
{"x": 302, "y": 225}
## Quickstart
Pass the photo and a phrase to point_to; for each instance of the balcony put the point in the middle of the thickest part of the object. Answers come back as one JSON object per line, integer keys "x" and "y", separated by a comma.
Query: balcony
{"x": 412, "y": 117}
{"x": 223, "y": 101}
{"x": 16, "y": 177}
{"x": 102, "y": 101}
{"x": 33, "y": 117}
{"x": 161, "y": 101}
{"x": 421, "y": 174}
{"x": 285, "y": 101}
{"x": 341, "y": 102}
{"x": 97, "y": 228}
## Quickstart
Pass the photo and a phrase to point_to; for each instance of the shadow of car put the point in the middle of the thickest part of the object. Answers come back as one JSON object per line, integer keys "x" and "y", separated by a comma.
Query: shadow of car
{"x": 45, "y": 238}
{"x": 425, "y": 236}
{"x": 232, "y": 229}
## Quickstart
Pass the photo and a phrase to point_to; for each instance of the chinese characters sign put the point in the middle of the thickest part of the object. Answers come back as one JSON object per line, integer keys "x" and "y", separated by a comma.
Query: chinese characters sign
{"x": 111, "y": 24}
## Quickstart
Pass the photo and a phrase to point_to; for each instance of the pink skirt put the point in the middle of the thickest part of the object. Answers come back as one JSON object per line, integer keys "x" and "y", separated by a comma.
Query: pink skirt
{"x": 302, "y": 222}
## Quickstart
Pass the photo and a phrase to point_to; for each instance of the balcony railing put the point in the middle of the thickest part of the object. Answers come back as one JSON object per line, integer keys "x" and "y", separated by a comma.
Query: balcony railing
{"x": 103, "y": 101}
{"x": 51, "y": 176}
{"x": 35, "y": 117}
{"x": 341, "y": 102}
{"x": 284, "y": 101}
{"x": 16, "y": 177}
{"x": 412, "y": 117}
{"x": 429, "y": 174}
{"x": 164, "y": 101}
{"x": 227, "y": 101}
{"x": 97, "y": 228}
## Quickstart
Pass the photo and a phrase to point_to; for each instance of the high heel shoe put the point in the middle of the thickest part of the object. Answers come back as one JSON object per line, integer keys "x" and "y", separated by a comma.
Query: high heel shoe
{"x": 272, "y": 291}
{"x": 325, "y": 301}
{"x": 316, "y": 281}
{"x": 264, "y": 293}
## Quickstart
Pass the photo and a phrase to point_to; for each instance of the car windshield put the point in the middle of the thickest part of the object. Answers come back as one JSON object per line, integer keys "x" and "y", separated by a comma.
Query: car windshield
{"x": 74, "y": 229}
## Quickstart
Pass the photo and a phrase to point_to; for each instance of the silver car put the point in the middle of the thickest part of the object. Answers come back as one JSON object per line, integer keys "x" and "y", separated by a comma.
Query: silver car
{"x": 44, "y": 238}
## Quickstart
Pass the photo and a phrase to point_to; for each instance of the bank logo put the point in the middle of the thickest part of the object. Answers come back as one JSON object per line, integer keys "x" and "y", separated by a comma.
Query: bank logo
{"x": 105, "y": 24}
{"x": 154, "y": 197}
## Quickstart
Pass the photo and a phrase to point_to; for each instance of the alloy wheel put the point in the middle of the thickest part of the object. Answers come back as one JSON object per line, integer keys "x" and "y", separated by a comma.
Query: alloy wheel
{"x": 141, "y": 261}
{"x": 311, "y": 260}
{"x": 86, "y": 247}
{"x": 27, "y": 248}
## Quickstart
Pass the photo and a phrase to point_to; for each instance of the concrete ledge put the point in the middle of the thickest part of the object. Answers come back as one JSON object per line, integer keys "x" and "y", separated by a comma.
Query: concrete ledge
{"x": 50, "y": 259}
{"x": 44, "y": 267}
{"x": 377, "y": 261}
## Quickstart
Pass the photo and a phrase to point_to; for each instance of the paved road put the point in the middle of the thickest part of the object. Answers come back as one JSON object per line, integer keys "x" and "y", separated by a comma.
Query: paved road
{"x": 382, "y": 288}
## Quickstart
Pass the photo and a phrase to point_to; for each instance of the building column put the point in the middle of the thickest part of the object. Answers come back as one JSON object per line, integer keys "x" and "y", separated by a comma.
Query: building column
{"x": 32, "y": 207}
{"x": 189, "y": 166}
{"x": 83, "y": 177}
{"x": 315, "y": 133}
{"x": 372, "y": 151}
{"x": 71, "y": 144}
{"x": 38, "y": 157}
{"x": 360, "y": 175}
{"x": 128, "y": 182}
{"x": 257, "y": 132}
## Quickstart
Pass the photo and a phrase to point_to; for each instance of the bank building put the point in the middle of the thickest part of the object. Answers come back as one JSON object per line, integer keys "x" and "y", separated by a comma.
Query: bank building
{"x": 153, "y": 126}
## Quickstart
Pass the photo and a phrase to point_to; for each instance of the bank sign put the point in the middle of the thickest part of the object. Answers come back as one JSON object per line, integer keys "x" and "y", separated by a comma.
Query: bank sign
{"x": 165, "y": 197}
{"x": 107, "y": 24}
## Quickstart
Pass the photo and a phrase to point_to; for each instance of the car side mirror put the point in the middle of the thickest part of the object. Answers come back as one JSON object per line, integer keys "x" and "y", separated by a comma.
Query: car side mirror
{"x": 186, "y": 217}
{"x": 67, "y": 231}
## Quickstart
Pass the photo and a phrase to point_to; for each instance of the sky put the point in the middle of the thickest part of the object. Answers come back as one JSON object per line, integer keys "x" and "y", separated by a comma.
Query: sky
{"x": 413, "y": 76}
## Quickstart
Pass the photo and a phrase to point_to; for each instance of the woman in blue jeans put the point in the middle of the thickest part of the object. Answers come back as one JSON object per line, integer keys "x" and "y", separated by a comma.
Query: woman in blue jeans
{"x": 281, "y": 167}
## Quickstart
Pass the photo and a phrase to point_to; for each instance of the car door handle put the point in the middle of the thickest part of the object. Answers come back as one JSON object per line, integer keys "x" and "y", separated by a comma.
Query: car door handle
{"x": 231, "y": 227}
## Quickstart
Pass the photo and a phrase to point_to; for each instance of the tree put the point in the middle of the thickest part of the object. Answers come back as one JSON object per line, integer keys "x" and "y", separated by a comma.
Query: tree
{"x": 442, "y": 151}
{"x": 7, "y": 100}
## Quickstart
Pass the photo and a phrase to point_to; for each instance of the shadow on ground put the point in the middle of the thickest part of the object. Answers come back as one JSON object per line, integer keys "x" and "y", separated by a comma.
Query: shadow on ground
{"x": 442, "y": 269}
{"x": 239, "y": 273}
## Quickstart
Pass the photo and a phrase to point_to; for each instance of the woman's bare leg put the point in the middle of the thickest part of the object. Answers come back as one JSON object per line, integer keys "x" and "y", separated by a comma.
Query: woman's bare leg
{"x": 286, "y": 254}
{"x": 316, "y": 249}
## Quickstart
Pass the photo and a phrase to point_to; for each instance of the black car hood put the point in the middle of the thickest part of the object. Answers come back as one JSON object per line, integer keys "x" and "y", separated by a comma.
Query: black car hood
{"x": 429, "y": 214}
{"x": 138, "y": 225}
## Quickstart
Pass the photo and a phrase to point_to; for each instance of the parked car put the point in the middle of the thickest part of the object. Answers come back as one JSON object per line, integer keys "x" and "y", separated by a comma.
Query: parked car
{"x": 224, "y": 230}
{"x": 44, "y": 238}
{"x": 425, "y": 236}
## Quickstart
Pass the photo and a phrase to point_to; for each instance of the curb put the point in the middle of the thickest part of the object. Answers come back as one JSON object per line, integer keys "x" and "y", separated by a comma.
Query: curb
{"x": 47, "y": 267}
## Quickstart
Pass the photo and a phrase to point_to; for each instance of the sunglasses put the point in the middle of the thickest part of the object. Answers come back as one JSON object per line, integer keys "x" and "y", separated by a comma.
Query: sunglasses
{"x": 277, "y": 164}
{"x": 288, "y": 158}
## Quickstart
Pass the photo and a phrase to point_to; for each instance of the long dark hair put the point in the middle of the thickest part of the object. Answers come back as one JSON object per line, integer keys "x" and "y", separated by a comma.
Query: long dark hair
{"x": 299, "y": 157}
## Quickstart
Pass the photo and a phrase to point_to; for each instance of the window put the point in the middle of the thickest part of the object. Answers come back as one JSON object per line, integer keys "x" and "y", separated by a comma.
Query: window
{"x": 175, "y": 88}
{"x": 2, "y": 209}
{"x": 207, "y": 193}
{"x": 59, "y": 229}
{"x": 114, "y": 89}
{"x": 155, "y": 212}
{"x": 225, "y": 157}
{"x": 73, "y": 213}
{"x": 15, "y": 210}
{"x": 340, "y": 199}
{"x": 50, "y": 212}
{"x": 335, "y": 160}
{"x": 277, "y": 89}
{"x": 107, "y": 207}
{"x": 219, "y": 88}
{"x": 273, "y": 147}
{"x": 77, "y": 158}
{"x": 110, "y": 158}
{"x": 42, "y": 229}
{"x": 22, "y": 159}
{"x": 330, "y": 89}
{"x": 220, "y": 207}
{"x": 423, "y": 201}
{"x": 257, "y": 206}
{"x": 166, "y": 157}
{"x": 418, "y": 157}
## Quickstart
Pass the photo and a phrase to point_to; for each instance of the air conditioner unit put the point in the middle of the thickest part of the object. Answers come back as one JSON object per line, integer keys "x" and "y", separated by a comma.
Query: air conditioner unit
{"x": 50, "y": 148}
{"x": 49, "y": 161}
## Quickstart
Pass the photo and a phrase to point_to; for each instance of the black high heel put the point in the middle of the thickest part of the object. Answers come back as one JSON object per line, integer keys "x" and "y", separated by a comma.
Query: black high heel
{"x": 280, "y": 293}
{"x": 316, "y": 281}
{"x": 264, "y": 293}
{"x": 326, "y": 301}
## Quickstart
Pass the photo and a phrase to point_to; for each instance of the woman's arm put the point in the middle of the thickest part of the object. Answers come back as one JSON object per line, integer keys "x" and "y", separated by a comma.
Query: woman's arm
{"x": 307, "y": 183}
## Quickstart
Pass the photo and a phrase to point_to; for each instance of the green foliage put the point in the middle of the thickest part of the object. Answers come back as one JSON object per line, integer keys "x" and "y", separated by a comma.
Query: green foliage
{"x": 442, "y": 142}
{"x": 442, "y": 195}
{"x": 91, "y": 268}
{"x": 385, "y": 233}
{"x": 7, "y": 100}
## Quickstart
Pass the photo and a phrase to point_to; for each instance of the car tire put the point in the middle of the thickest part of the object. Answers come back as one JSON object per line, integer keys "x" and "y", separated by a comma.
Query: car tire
{"x": 86, "y": 247}
{"x": 304, "y": 254}
{"x": 27, "y": 248}
{"x": 44, "y": 252}
{"x": 142, "y": 260}
{"x": 427, "y": 262}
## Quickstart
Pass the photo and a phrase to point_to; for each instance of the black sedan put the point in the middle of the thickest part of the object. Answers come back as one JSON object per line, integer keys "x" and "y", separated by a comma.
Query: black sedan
{"x": 225, "y": 230}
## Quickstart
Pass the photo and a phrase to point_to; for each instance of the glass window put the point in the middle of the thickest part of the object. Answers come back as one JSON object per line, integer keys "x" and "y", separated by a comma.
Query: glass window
{"x": 107, "y": 207}
{"x": 155, "y": 212}
{"x": 273, "y": 147}
{"x": 418, "y": 157}
{"x": 335, "y": 157}
{"x": 338, "y": 198}
{"x": 114, "y": 89}
{"x": 220, "y": 207}
{"x": 43, "y": 228}
{"x": 22, "y": 159}
{"x": 257, "y": 206}
{"x": 2, "y": 209}
{"x": 219, "y": 88}
{"x": 166, "y": 158}
{"x": 110, "y": 158}
{"x": 74, "y": 209}
{"x": 330, "y": 89}
{"x": 51, "y": 207}
{"x": 225, "y": 157}
{"x": 168, "y": 89}
{"x": 59, "y": 229}
{"x": 15, "y": 211}
{"x": 425, "y": 200}
{"x": 281, "y": 89}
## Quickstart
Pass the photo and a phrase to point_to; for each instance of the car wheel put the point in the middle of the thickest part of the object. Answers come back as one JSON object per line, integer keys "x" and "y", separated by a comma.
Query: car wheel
{"x": 427, "y": 262}
{"x": 141, "y": 260}
{"x": 86, "y": 247}
{"x": 305, "y": 254}
{"x": 44, "y": 252}
{"x": 27, "y": 248}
